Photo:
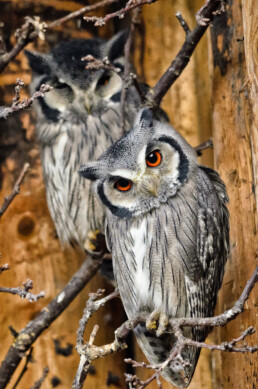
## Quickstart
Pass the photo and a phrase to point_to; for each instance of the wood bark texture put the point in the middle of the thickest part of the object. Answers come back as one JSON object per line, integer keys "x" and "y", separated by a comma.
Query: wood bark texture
{"x": 234, "y": 85}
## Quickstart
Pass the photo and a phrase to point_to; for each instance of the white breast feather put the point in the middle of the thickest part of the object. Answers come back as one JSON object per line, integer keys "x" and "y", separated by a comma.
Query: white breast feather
{"x": 141, "y": 275}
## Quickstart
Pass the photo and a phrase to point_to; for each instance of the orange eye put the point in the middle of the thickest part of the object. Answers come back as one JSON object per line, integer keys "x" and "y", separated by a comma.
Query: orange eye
{"x": 123, "y": 184}
{"x": 154, "y": 158}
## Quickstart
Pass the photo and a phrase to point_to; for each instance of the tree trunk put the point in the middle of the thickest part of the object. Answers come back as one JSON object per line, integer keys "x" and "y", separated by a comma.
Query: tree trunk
{"x": 234, "y": 86}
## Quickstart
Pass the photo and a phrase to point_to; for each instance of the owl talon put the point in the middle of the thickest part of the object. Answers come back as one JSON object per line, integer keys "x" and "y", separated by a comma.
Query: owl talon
{"x": 161, "y": 318}
{"x": 151, "y": 322}
{"x": 95, "y": 243}
{"x": 163, "y": 323}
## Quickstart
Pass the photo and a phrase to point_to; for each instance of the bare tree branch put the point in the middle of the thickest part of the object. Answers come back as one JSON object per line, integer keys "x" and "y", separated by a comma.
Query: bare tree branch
{"x": 207, "y": 13}
{"x": 208, "y": 144}
{"x": 127, "y": 68}
{"x": 183, "y": 23}
{"x": 24, "y": 292}
{"x": 18, "y": 105}
{"x": 130, "y": 5}
{"x": 91, "y": 307}
{"x": 16, "y": 190}
{"x": 31, "y": 29}
{"x": 81, "y": 11}
{"x": 89, "y": 352}
{"x": 128, "y": 80}
{"x": 47, "y": 315}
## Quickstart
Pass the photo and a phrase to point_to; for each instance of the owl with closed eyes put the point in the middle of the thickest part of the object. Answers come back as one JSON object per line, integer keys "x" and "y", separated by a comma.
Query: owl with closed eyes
{"x": 167, "y": 227}
{"x": 78, "y": 119}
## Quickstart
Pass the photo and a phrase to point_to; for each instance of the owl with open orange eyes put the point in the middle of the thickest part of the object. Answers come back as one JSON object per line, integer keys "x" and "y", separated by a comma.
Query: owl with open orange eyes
{"x": 167, "y": 228}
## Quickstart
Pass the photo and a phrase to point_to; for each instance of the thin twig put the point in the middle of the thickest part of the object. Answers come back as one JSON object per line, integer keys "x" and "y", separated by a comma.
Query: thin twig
{"x": 16, "y": 189}
{"x": 208, "y": 144}
{"x": 156, "y": 94}
{"x": 33, "y": 28}
{"x": 130, "y": 5}
{"x": 183, "y": 23}
{"x": 91, "y": 306}
{"x": 29, "y": 31}
{"x": 97, "y": 64}
{"x": 127, "y": 67}
{"x": 18, "y": 105}
{"x": 89, "y": 352}
{"x": 24, "y": 292}
{"x": 80, "y": 12}
{"x": 46, "y": 316}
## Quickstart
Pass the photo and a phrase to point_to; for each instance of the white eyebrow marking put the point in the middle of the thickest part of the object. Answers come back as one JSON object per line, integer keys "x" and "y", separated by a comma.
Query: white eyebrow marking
{"x": 141, "y": 157}
{"x": 133, "y": 174}
{"x": 125, "y": 173}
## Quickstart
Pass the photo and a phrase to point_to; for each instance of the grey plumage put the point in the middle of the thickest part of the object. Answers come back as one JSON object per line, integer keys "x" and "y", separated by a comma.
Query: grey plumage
{"x": 167, "y": 228}
{"x": 77, "y": 120}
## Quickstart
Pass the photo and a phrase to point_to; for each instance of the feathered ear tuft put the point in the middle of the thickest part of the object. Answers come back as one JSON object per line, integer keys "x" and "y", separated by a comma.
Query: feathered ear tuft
{"x": 37, "y": 62}
{"x": 144, "y": 118}
{"x": 93, "y": 171}
{"x": 115, "y": 46}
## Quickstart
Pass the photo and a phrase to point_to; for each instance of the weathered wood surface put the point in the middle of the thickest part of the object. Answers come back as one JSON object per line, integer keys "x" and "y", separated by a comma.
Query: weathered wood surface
{"x": 234, "y": 86}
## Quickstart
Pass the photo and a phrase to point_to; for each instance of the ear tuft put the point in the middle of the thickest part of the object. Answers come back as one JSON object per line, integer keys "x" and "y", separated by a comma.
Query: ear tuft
{"x": 37, "y": 62}
{"x": 116, "y": 45}
{"x": 92, "y": 171}
{"x": 144, "y": 118}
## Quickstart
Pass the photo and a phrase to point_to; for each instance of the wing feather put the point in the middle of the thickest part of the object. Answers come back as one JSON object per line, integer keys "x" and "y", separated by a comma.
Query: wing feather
{"x": 212, "y": 245}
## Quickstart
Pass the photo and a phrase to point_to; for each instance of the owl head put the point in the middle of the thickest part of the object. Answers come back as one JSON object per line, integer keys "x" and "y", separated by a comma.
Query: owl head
{"x": 76, "y": 90}
{"x": 142, "y": 169}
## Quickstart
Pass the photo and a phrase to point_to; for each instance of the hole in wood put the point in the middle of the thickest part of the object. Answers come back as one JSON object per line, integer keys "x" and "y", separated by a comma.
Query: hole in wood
{"x": 26, "y": 226}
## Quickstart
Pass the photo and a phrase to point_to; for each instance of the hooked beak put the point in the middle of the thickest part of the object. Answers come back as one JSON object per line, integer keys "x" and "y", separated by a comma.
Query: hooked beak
{"x": 151, "y": 187}
{"x": 153, "y": 191}
{"x": 88, "y": 103}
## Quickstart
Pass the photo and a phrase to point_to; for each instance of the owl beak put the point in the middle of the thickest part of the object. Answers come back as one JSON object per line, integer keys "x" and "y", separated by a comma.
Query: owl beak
{"x": 151, "y": 187}
{"x": 153, "y": 191}
{"x": 88, "y": 103}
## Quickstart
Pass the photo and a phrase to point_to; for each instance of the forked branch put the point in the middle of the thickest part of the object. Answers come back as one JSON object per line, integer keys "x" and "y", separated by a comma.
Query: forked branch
{"x": 89, "y": 352}
{"x": 204, "y": 17}
{"x": 18, "y": 104}
{"x": 24, "y": 292}
{"x": 27, "y": 336}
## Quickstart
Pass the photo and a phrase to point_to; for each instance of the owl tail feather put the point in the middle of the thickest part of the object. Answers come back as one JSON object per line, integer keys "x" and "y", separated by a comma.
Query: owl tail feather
{"x": 157, "y": 350}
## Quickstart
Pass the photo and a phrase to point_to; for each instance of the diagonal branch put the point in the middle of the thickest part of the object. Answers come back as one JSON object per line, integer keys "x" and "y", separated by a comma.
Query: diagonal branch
{"x": 192, "y": 38}
{"x": 16, "y": 190}
{"x": 130, "y": 5}
{"x": 89, "y": 352}
{"x": 27, "y": 336}
{"x": 80, "y": 12}
{"x": 33, "y": 28}
{"x": 19, "y": 105}
{"x": 24, "y": 292}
